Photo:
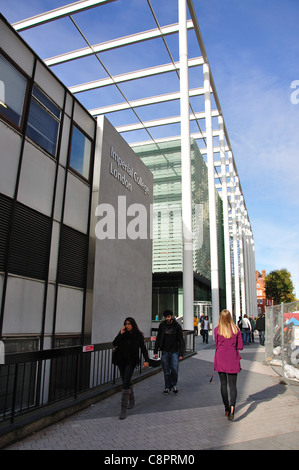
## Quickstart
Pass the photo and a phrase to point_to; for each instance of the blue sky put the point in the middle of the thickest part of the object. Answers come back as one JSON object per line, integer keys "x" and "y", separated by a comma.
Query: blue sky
{"x": 253, "y": 50}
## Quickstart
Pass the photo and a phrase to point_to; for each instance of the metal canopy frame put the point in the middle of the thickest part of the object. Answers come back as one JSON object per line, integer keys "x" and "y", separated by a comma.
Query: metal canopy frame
{"x": 213, "y": 142}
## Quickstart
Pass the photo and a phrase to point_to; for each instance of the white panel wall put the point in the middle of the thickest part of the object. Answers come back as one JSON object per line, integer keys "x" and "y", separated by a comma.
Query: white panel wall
{"x": 18, "y": 51}
{"x": 76, "y": 203}
{"x": 49, "y": 83}
{"x": 9, "y": 159}
{"x": 37, "y": 179}
{"x": 80, "y": 118}
{"x": 69, "y": 310}
{"x": 24, "y": 296}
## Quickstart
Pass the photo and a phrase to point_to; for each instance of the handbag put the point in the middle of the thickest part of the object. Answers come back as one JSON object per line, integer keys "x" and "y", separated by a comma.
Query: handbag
{"x": 115, "y": 356}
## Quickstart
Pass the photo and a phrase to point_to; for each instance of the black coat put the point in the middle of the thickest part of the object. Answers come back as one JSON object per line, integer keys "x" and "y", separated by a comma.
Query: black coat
{"x": 179, "y": 344}
{"x": 260, "y": 323}
{"x": 129, "y": 346}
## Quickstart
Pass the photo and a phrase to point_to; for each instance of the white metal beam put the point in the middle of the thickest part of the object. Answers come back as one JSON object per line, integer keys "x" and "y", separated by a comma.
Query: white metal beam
{"x": 158, "y": 122}
{"x": 133, "y": 75}
{"x": 216, "y": 149}
{"x": 114, "y": 44}
{"x": 58, "y": 13}
{"x": 188, "y": 281}
{"x": 194, "y": 135}
{"x": 212, "y": 199}
{"x": 144, "y": 102}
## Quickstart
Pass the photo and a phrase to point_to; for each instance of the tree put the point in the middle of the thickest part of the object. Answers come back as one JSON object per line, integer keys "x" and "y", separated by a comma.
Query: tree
{"x": 279, "y": 287}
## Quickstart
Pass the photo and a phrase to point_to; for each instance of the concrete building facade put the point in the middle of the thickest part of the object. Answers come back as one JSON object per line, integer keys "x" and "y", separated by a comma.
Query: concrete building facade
{"x": 60, "y": 285}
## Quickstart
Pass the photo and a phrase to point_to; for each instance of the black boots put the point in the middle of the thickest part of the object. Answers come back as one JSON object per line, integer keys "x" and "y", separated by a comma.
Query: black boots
{"x": 131, "y": 398}
{"x": 124, "y": 402}
{"x": 127, "y": 401}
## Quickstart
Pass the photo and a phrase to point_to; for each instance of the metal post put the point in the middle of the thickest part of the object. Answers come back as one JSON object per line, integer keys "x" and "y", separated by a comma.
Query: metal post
{"x": 186, "y": 172}
{"x": 212, "y": 198}
{"x": 282, "y": 338}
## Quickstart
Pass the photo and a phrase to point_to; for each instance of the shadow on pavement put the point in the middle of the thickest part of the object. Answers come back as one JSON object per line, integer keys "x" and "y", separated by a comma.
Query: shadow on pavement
{"x": 259, "y": 398}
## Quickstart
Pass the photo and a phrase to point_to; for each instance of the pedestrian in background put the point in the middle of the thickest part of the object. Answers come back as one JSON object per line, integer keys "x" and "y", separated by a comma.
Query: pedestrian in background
{"x": 171, "y": 342}
{"x": 228, "y": 342}
{"x": 260, "y": 326}
{"x": 246, "y": 329}
{"x": 205, "y": 326}
{"x": 240, "y": 323}
{"x": 195, "y": 324}
{"x": 129, "y": 342}
{"x": 252, "y": 323}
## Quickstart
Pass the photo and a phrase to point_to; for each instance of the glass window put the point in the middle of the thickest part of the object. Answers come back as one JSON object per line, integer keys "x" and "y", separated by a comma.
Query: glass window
{"x": 43, "y": 121}
{"x": 12, "y": 92}
{"x": 80, "y": 153}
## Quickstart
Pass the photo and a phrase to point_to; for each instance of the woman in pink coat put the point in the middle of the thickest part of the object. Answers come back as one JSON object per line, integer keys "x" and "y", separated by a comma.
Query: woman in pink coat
{"x": 228, "y": 341}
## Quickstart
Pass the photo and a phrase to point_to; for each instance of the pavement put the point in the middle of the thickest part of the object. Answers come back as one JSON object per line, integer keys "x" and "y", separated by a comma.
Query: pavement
{"x": 266, "y": 416}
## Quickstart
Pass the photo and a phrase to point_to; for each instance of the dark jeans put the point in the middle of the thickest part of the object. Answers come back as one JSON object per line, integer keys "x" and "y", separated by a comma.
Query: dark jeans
{"x": 246, "y": 335}
{"x": 170, "y": 364}
{"x": 262, "y": 337}
{"x": 205, "y": 336}
{"x": 126, "y": 372}
{"x": 232, "y": 383}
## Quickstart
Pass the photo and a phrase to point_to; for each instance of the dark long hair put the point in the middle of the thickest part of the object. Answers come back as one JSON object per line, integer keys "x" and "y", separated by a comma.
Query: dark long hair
{"x": 134, "y": 325}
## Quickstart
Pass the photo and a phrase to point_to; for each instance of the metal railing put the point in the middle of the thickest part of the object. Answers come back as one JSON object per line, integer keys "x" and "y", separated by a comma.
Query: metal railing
{"x": 33, "y": 380}
{"x": 282, "y": 341}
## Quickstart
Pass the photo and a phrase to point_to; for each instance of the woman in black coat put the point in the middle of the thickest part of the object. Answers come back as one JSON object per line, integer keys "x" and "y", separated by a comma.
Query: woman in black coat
{"x": 129, "y": 341}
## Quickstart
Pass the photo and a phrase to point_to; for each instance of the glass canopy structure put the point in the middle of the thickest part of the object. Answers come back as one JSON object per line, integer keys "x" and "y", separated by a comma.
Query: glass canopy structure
{"x": 144, "y": 65}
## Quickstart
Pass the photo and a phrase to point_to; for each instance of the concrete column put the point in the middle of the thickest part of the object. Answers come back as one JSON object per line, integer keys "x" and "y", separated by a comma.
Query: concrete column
{"x": 240, "y": 218}
{"x": 188, "y": 289}
{"x": 212, "y": 198}
{"x": 235, "y": 239}
{"x": 228, "y": 271}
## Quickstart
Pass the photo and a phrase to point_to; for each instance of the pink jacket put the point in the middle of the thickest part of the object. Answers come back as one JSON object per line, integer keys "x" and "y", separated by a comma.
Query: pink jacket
{"x": 227, "y": 356}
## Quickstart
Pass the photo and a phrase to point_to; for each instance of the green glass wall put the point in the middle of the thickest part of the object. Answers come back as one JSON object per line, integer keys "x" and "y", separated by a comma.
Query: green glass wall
{"x": 164, "y": 160}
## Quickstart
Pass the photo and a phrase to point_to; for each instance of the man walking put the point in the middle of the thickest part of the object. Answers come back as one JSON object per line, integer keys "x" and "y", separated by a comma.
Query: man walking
{"x": 260, "y": 326}
{"x": 171, "y": 342}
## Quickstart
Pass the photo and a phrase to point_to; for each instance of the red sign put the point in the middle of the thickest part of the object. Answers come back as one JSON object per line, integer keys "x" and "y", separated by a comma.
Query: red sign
{"x": 88, "y": 348}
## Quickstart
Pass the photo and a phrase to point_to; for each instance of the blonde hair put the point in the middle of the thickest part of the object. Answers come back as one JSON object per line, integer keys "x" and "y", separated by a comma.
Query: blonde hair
{"x": 226, "y": 326}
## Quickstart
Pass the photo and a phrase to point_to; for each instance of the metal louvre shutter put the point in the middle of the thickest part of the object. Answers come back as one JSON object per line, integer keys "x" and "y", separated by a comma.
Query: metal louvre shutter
{"x": 5, "y": 213}
{"x": 29, "y": 243}
{"x": 72, "y": 257}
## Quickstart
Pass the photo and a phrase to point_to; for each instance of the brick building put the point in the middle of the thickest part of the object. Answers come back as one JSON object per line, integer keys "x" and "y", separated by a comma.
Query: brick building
{"x": 262, "y": 300}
